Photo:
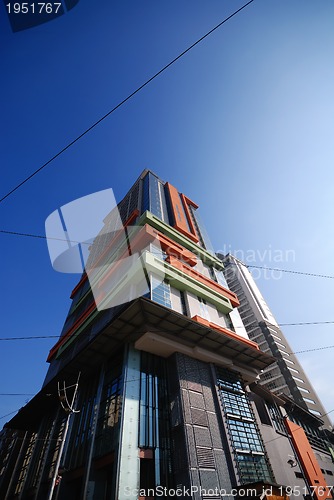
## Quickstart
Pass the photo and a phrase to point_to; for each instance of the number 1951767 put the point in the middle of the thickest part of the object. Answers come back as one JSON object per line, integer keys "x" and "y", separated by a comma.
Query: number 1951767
{"x": 33, "y": 8}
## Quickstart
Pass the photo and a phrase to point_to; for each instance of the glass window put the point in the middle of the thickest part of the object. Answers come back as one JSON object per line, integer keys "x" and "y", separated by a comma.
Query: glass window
{"x": 157, "y": 252}
{"x": 160, "y": 292}
{"x": 249, "y": 452}
{"x": 154, "y": 431}
{"x": 220, "y": 278}
{"x": 145, "y": 194}
{"x": 109, "y": 411}
{"x": 308, "y": 400}
{"x": 183, "y": 303}
{"x": 153, "y": 198}
{"x": 204, "y": 313}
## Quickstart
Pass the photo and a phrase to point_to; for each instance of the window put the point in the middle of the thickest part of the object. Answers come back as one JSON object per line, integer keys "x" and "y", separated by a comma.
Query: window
{"x": 303, "y": 390}
{"x": 276, "y": 417}
{"x": 154, "y": 197}
{"x": 299, "y": 380}
{"x": 204, "y": 313}
{"x": 157, "y": 252}
{"x": 160, "y": 292}
{"x": 183, "y": 304}
{"x": 249, "y": 452}
{"x": 154, "y": 431}
{"x": 308, "y": 400}
{"x": 109, "y": 411}
{"x": 281, "y": 345}
{"x": 220, "y": 278}
{"x": 315, "y": 412}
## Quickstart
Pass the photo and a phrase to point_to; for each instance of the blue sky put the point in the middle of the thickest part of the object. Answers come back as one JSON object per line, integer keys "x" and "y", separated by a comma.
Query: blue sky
{"x": 243, "y": 125}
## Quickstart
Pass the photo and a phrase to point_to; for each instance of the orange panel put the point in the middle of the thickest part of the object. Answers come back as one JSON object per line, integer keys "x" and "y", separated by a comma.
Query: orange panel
{"x": 186, "y": 202}
{"x": 308, "y": 461}
{"x": 221, "y": 329}
{"x": 180, "y": 219}
{"x": 88, "y": 311}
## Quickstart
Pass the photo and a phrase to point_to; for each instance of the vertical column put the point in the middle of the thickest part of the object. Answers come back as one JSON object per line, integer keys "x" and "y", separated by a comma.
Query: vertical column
{"x": 89, "y": 483}
{"x": 128, "y": 457}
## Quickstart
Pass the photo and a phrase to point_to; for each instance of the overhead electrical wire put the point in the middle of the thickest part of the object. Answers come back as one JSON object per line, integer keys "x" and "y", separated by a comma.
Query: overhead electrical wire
{"x": 307, "y": 323}
{"x": 8, "y": 414}
{"x": 122, "y": 102}
{"x": 57, "y": 337}
{"x": 315, "y": 349}
{"x": 43, "y": 237}
{"x": 15, "y": 394}
{"x": 289, "y": 271}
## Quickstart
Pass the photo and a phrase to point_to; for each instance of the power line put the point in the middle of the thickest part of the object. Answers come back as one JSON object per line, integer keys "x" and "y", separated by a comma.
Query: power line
{"x": 31, "y": 337}
{"x": 307, "y": 323}
{"x": 39, "y": 236}
{"x": 11, "y": 413}
{"x": 15, "y": 394}
{"x": 300, "y": 323}
{"x": 57, "y": 336}
{"x": 37, "y": 337}
{"x": 315, "y": 349}
{"x": 14, "y": 233}
{"x": 122, "y": 102}
{"x": 324, "y": 414}
{"x": 289, "y": 271}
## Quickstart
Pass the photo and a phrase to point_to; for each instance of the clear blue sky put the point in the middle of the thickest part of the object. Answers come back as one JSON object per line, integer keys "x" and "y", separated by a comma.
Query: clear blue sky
{"x": 243, "y": 125}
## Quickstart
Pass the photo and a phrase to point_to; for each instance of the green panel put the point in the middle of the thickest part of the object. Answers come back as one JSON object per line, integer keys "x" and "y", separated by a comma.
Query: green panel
{"x": 74, "y": 336}
{"x": 207, "y": 257}
{"x": 331, "y": 451}
{"x": 183, "y": 281}
{"x": 158, "y": 267}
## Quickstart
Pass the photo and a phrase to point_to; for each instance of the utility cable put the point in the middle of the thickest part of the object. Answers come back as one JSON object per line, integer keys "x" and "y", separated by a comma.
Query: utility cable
{"x": 315, "y": 349}
{"x": 43, "y": 237}
{"x": 307, "y": 323}
{"x": 15, "y": 394}
{"x": 37, "y": 337}
{"x": 122, "y": 102}
{"x": 289, "y": 271}
{"x": 11, "y": 413}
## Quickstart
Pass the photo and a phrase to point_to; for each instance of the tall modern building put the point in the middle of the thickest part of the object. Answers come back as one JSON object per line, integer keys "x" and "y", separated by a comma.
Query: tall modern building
{"x": 285, "y": 375}
{"x": 153, "y": 386}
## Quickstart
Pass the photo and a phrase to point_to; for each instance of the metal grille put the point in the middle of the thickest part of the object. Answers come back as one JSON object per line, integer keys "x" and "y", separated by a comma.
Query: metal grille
{"x": 205, "y": 458}
{"x": 202, "y": 436}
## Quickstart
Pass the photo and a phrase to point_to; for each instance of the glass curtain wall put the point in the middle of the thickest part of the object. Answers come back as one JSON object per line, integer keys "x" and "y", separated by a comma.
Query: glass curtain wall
{"x": 251, "y": 459}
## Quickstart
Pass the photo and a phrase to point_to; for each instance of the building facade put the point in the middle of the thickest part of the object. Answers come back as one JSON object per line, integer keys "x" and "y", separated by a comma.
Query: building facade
{"x": 286, "y": 375}
{"x": 153, "y": 386}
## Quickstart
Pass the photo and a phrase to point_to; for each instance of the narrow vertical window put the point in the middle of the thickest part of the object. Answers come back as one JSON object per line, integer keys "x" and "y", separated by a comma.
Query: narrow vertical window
{"x": 160, "y": 292}
{"x": 183, "y": 304}
{"x": 204, "y": 313}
